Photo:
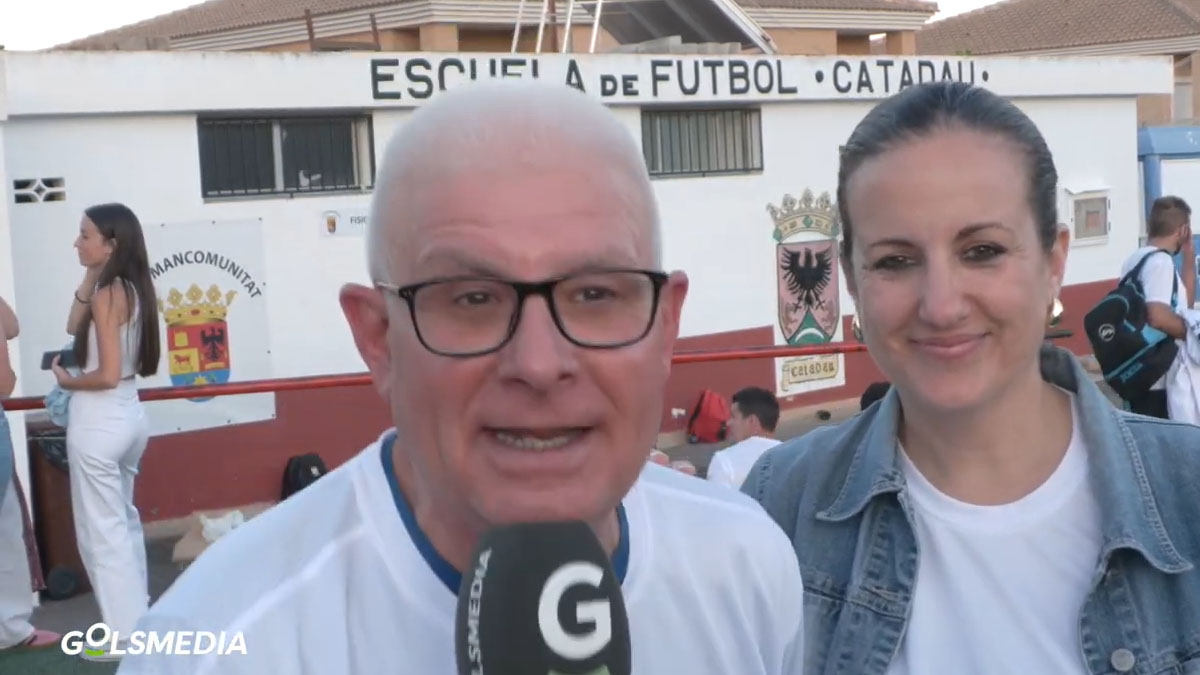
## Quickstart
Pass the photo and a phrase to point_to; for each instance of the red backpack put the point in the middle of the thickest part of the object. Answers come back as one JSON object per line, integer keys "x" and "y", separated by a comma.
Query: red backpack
{"x": 709, "y": 418}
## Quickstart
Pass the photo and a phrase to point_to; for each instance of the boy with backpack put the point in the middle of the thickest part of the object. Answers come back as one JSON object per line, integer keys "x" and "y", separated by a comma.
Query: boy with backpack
{"x": 1136, "y": 352}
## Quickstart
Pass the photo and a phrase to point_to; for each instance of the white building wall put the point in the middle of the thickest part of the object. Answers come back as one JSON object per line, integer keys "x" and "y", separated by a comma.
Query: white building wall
{"x": 122, "y": 127}
{"x": 150, "y": 163}
{"x": 1181, "y": 177}
{"x": 1094, "y": 143}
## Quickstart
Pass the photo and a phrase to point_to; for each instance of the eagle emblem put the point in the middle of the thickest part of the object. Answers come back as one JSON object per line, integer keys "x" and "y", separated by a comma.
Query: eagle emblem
{"x": 806, "y": 267}
{"x": 806, "y": 278}
{"x": 808, "y": 292}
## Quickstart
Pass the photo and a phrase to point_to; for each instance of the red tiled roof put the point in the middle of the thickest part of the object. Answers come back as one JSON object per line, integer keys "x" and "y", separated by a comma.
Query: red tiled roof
{"x": 215, "y": 16}
{"x": 1029, "y": 25}
{"x": 221, "y": 15}
{"x": 868, "y": 5}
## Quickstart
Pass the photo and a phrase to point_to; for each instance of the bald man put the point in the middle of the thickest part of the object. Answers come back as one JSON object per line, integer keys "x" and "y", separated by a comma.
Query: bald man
{"x": 520, "y": 328}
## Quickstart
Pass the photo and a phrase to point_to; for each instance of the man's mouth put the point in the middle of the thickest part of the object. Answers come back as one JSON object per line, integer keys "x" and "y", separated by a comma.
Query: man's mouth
{"x": 537, "y": 439}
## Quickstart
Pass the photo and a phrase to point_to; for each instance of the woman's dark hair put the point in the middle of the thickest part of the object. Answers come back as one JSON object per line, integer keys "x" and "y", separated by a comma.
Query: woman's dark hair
{"x": 923, "y": 109}
{"x": 874, "y": 392}
{"x": 129, "y": 264}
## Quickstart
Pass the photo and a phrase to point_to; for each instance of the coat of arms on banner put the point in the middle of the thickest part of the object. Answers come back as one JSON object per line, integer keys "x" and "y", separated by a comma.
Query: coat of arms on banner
{"x": 212, "y": 297}
{"x": 197, "y": 335}
{"x": 806, "y": 262}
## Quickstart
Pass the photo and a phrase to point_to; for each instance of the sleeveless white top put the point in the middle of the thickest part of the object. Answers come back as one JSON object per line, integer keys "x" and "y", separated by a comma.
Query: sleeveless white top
{"x": 129, "y": 334}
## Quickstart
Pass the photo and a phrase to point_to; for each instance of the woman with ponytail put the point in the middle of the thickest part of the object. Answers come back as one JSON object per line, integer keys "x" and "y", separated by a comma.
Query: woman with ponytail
{"x": 113, "y": 319}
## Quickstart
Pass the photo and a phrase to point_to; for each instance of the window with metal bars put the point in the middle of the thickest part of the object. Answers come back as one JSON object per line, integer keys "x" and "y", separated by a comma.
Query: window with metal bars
{"x": 702, "y": 142}
{"x": 285, "y": 155}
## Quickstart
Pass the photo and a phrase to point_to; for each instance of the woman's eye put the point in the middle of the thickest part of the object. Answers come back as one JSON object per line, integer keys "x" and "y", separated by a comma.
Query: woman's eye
{"x": 983, "y": 252}
{"x": 892, "y": 262}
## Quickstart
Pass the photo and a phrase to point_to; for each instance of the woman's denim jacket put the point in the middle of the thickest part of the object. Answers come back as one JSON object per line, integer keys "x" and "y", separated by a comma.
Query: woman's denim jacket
{"x": 841, "y": 496}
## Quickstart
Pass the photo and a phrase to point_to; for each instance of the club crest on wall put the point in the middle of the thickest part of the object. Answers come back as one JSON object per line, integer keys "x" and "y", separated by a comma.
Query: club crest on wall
{"x": 806, "y": 230}
{"x": 806, "y": 269}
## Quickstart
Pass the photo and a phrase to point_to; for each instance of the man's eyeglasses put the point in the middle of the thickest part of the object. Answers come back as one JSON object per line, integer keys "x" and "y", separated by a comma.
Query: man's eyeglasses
{"x": 474, "y": 315}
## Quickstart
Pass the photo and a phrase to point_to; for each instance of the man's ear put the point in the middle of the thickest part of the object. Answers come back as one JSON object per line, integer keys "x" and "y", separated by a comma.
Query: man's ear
{"x": 366, "y": 313}
{"x": 671, "y": 306}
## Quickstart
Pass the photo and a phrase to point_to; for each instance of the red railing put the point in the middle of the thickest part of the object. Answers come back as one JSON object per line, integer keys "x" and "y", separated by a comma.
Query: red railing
{"x": 360, "y": 379}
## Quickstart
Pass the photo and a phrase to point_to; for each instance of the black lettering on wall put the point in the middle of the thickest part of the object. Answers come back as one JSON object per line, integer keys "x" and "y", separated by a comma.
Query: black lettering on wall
{"x": 713, "y": 65}
{"x": 906, "y": 76}
{"x": 922, "y": 67}
{"x": 378, "y": 76}
{"x": 629, "y": 85}
{"x": 739, "y": 77}
{"x": 417, "y": 71}
{"x": 864, "y": 78}
{"x": 886, "y": 65}
{"x": 574, "y": 77}
{"x": 511, "y": 67}
{"x": 764, "y": 77}
{"x": 608, "y": 85}
{"x": 783, "y": 88}
{"x": 445, "y": 65}
{"x": 842, "y": 85}
{"x": 683, "y": 85}
{"x": 657, "y": 74}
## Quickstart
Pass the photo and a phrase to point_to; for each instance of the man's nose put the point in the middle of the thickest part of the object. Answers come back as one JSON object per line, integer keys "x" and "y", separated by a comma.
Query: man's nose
{"x": 538, "y": 353}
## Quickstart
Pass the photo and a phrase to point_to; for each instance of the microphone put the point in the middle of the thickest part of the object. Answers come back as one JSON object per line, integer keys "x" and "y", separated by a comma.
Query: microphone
{"x": 541, "y": 599}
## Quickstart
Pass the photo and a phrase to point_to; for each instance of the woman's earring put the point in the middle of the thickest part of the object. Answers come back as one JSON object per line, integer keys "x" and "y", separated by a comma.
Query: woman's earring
{"x": 1054, "y": 316}
{"x": 856, "y": 327}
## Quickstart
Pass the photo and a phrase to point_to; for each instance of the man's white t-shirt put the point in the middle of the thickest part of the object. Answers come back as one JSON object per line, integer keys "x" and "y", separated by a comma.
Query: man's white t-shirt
{"x": 1158, "y": 276}
{"x": 339, "y": 579}
{"x": 1000, "y": 588}
{"x": 731, "y": 465}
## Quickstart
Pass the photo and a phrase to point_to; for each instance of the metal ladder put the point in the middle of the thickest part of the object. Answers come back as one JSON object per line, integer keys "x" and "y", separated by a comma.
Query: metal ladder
{"x": 566, "y": 38}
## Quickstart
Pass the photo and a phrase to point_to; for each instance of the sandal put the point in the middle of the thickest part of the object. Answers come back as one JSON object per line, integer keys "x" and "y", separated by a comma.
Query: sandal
{"x": 38, "y": 639}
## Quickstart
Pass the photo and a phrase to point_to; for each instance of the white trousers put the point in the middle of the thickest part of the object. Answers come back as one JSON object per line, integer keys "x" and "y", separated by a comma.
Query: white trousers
{"x": 106, "y": 436}
{"x": 16, "y": 594}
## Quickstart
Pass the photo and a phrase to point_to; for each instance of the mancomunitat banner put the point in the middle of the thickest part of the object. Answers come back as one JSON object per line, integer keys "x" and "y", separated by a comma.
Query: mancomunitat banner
{"x": 212, "y": 295}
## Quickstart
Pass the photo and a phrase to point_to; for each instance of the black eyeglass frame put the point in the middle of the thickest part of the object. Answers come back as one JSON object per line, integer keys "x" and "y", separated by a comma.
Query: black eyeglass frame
{"x": 525, "y": 289}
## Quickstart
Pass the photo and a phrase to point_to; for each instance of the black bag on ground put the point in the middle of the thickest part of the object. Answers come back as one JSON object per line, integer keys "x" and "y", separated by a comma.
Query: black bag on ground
{"x": 1132, "y": 354}
{"x": 300, "y": 472}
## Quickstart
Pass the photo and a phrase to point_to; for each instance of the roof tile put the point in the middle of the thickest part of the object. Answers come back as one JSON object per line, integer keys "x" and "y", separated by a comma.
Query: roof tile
{"x": 221, "y": 15}
{"x": 1030, "y": 25}
{"x": 216, "y": 16}
{"x": 868, "y": 5}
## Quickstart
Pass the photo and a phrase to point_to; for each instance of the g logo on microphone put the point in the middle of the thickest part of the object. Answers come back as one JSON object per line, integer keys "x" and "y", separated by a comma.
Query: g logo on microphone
{"x": 596, "y": 612}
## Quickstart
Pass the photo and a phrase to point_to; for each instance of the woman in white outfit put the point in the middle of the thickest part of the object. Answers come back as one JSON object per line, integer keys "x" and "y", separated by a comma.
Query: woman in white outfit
{"x": 16, "y": 591}
{"x": 113, "y": 319}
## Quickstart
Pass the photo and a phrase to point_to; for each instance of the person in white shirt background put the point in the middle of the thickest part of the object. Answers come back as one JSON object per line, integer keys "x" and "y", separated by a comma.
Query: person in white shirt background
{"x": 520, "y": 329}
{"x": 1168, "y": 229}
{"x": 753, "y": 416}
{"x": 114, "y": 321}
{"x": 16, "y": 591}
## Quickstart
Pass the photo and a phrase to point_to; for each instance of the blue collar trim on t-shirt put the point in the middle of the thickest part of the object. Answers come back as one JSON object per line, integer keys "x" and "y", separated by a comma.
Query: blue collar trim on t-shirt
{"x": 449, "y": 576}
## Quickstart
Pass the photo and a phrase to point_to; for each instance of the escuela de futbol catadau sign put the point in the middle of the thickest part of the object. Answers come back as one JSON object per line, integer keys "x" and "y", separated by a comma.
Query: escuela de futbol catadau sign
{"x": 641, "y": 78}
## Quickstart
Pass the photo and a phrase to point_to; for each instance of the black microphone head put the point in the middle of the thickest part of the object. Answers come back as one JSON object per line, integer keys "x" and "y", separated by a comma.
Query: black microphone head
{"x": 541, "y": 599}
